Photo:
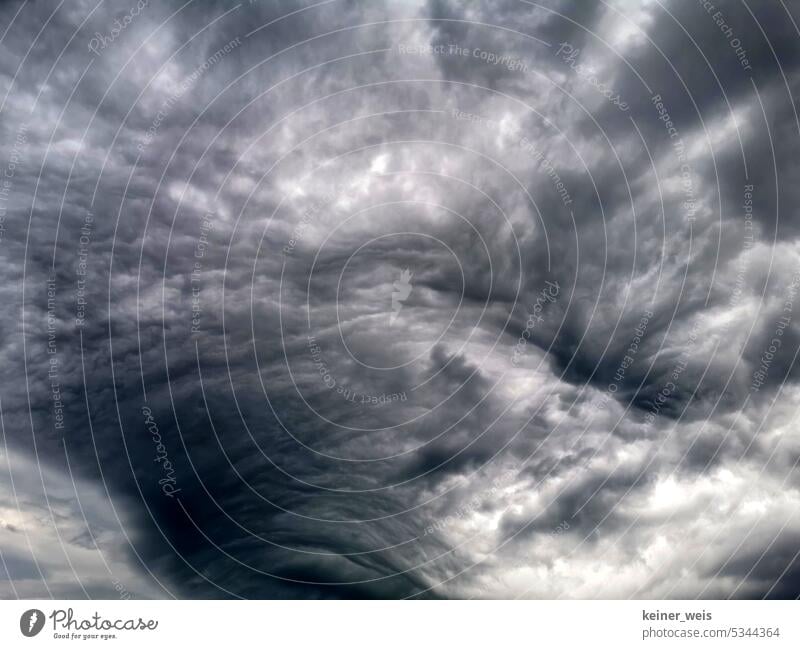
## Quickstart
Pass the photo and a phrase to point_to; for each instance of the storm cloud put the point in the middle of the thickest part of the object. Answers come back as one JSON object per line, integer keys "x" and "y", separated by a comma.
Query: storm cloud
{"x": 429, "y": 299}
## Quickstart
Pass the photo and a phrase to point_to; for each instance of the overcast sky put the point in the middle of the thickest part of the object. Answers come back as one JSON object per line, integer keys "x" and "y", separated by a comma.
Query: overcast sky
{"x": 437, "y": 299}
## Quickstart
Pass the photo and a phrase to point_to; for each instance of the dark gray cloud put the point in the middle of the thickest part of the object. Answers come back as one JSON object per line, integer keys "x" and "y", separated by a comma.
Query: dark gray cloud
{"x": 405, "y": 300}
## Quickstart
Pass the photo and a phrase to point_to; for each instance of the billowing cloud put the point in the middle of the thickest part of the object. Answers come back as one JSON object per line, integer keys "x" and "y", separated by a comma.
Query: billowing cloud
{"x": 425, "y": 299}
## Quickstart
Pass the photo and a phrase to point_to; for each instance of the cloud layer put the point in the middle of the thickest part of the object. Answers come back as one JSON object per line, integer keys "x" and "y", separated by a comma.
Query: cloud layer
{"x": 424, "y": 299}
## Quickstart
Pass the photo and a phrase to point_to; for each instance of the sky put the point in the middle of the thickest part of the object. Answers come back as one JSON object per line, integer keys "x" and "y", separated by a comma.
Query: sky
{"x": 406, "y": 299}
